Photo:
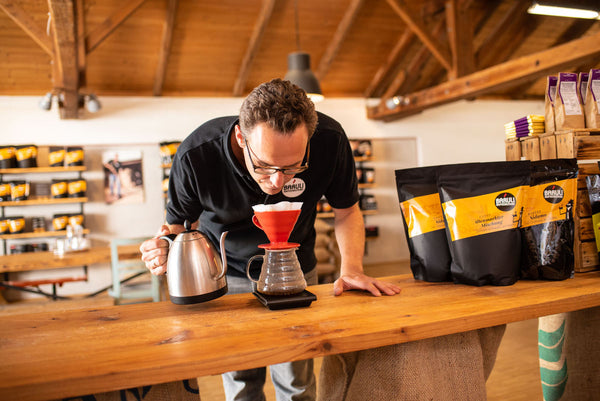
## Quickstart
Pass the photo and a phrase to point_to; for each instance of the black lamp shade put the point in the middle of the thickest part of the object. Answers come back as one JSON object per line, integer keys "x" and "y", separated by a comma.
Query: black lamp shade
{"x": 299, "y": 73}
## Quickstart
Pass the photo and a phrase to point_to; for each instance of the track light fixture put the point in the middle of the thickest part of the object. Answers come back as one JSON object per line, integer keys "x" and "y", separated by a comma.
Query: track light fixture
{"x": 89, "y": 101}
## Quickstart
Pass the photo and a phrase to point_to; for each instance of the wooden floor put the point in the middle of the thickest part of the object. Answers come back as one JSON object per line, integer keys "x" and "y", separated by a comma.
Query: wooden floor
{"x": 515, "y": 376}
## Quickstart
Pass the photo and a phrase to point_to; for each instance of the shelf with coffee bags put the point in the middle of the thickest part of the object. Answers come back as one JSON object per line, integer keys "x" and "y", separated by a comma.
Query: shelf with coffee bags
{"x": 41, "y": 234}
{"x": 44, "y": 201}
{"x": 24, "y": 186}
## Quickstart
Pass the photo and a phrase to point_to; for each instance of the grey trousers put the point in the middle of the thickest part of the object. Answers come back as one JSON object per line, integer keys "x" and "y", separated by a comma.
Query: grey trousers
{"x": 292, "y": 380}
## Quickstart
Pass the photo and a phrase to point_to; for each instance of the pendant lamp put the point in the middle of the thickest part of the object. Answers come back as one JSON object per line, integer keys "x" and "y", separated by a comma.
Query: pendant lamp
{"x": 299, "y": 72}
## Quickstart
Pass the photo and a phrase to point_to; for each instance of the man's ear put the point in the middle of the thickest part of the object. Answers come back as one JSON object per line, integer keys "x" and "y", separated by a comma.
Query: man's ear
{"x": 239, "y": 137}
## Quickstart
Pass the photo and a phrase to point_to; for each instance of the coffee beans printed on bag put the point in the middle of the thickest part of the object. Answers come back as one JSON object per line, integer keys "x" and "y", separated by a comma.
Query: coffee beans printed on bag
{"x": 423, "y": 220}
{"x": 483, "y": 205}
{"x": 547, "y": 225}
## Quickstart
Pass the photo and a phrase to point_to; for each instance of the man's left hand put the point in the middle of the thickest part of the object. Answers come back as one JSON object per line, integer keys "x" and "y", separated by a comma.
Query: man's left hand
{"x": 359, "y": 281}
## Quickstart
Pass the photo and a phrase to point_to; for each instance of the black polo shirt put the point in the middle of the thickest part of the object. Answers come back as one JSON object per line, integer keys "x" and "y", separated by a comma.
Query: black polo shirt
{"x": 208, "y": 183}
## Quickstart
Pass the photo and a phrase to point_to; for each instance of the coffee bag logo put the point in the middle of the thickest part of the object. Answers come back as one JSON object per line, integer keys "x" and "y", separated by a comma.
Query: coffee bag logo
{"x": 553, "y": 193}
{"x": 506, "y": 201}
{"x": 294, "y": 187}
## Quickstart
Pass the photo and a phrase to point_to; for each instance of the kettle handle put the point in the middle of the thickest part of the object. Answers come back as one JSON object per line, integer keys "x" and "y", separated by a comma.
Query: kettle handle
{"x": 169, "y": 237}
{"x": 248, "y": 267}
{"x": 223, "y": 256}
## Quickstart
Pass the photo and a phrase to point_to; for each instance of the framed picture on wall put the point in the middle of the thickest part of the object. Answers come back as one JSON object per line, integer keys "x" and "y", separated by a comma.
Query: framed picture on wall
{"x": 123, "y": 178}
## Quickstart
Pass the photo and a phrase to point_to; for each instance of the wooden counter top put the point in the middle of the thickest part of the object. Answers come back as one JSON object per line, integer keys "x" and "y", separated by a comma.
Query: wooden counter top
{"x": 59, "y": 354}
{"x": 47, "y": 260}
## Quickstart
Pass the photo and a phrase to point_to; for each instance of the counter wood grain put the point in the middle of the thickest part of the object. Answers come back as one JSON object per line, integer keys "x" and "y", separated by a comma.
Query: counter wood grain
{"x": 67, "y": 353}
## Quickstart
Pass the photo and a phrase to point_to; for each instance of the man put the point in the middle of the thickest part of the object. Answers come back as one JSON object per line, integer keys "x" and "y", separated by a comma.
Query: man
{"x": 276, "y": 151}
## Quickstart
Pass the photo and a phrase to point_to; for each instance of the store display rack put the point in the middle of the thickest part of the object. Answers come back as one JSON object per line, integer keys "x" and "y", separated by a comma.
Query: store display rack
{"x": 582, "y": 144}
{"x": 39, "y": 201}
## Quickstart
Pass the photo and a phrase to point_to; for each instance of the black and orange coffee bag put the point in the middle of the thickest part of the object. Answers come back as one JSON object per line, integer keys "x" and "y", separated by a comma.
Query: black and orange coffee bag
{"x": 547, "y": 225}
{"x": 424, "y": 223}
{"x": 483, "y": 206}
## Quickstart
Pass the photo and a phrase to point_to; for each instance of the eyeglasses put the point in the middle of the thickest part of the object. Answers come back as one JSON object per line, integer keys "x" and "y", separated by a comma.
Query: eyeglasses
{"x": 272, "y": 170}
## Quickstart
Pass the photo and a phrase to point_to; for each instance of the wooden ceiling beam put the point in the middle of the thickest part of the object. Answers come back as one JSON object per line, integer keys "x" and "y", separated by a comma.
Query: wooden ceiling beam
{"x": 401, "y": 47}
{"x": 165, "y": 47}
{"x": 14, "y": 10}
{"x": 64, "y": 28}
{"x": 111, "y": 23}
{"x": 81, "y": 56}
{"x": 441, "y": 53}
{"x": 338, "y": 38}
{"x": 577, "y": 29}
{"x": 460, "y": 36}
{"x": 492, "y": 43}
{"x": 255, "y": 40}
{"x": 413, "y": 69}
{"x": 497, "y": 77}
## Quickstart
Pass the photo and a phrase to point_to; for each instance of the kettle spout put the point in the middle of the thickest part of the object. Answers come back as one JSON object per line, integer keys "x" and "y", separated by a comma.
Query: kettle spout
{"x": 223, "y": 255}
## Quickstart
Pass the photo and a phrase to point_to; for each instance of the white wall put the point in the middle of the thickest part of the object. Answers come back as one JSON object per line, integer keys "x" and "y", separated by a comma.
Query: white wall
{"x": 459, "y": 132}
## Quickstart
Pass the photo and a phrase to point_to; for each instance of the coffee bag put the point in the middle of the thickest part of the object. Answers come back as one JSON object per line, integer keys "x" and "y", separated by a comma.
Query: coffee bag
{"x": 592, "y": 100}
{"x": 424, "y": 223}
{"x": 547, "y": 226}
{"x": 483, "y": 205}
{"x": 568, "y": 113}
{"x": 549, "y": 104}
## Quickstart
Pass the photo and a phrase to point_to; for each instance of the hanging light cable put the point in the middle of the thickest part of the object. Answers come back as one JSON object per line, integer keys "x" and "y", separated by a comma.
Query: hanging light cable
{"x": 299, "y": 72}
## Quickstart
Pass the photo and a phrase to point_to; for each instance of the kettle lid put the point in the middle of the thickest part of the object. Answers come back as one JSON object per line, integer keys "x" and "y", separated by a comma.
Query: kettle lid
{"x": 189, "y": 234}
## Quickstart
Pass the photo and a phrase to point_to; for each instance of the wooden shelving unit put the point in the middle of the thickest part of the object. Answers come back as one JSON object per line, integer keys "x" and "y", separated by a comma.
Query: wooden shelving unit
{"x": 39, "y": 201}
{"x": 41, "y": 234}
{"x": 44, "y": 201}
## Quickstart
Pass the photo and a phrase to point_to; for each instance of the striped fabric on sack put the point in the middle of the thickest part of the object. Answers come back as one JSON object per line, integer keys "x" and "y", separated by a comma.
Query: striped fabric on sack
{"x": 552, "y": 357}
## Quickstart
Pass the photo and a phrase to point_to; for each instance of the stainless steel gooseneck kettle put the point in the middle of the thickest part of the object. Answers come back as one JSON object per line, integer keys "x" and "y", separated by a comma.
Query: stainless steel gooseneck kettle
{"x": 195, "y": 272}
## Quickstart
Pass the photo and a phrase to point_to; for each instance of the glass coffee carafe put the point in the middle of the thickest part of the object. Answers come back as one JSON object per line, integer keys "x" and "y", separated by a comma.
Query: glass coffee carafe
{"x": 280, "y": 273}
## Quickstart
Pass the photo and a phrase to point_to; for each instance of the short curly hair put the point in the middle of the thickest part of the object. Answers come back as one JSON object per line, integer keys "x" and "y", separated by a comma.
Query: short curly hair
{"x": 280, "y": 104}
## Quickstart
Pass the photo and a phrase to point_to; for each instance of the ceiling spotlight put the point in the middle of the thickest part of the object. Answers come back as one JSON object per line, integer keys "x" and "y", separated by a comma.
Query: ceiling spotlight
{"x": 394, "y": 102}
{"x": 46, "y": 102}
{"x": 92, "y": 104}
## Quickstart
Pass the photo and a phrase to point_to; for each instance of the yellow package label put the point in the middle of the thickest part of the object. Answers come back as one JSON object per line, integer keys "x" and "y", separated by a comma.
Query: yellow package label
{"x": 170, "y": 149}
{"x": 483, "y": 214}
{"x": 423, "y": 214}
{"x": 16, "y": 225}
{"x": 56, "y": 157}
{"x": 29, "y": 152}
{"x": 19, "y": 191}
{"x": 548, "y": 202}
{"x": 77, "y": 187}
{"x": 74, "y": 156}
{"x": 7, "y": 153}
{"x": 58, "y": 188}
{"x": 596, "y": 224}
{"x": 5, "y": 189}
{"x": 59, "y": 223}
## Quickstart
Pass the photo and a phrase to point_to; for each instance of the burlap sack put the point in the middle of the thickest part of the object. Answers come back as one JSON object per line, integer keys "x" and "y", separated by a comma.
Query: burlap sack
{"x": 183, "y": 390}
{"x": 453, "y": 367}
{"x": 583, "y": 355}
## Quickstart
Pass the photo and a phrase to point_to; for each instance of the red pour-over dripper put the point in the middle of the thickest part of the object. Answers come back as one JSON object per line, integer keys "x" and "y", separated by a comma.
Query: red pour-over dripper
{"x": 278, "y": 225}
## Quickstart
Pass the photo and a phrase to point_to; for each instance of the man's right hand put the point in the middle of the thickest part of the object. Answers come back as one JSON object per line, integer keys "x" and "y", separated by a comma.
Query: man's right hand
{"x": 155, "y": 252}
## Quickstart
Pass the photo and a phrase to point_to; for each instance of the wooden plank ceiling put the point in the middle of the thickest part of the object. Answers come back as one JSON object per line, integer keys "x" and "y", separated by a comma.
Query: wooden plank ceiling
{"x": 410, "y": 55}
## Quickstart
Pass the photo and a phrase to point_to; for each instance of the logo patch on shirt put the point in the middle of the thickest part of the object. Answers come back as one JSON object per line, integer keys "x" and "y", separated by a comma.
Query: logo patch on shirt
{"x": 294, "y": 188}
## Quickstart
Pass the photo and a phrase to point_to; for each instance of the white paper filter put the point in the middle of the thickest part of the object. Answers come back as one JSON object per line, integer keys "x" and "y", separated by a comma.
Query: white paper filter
{"x": 283, "y": 205}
